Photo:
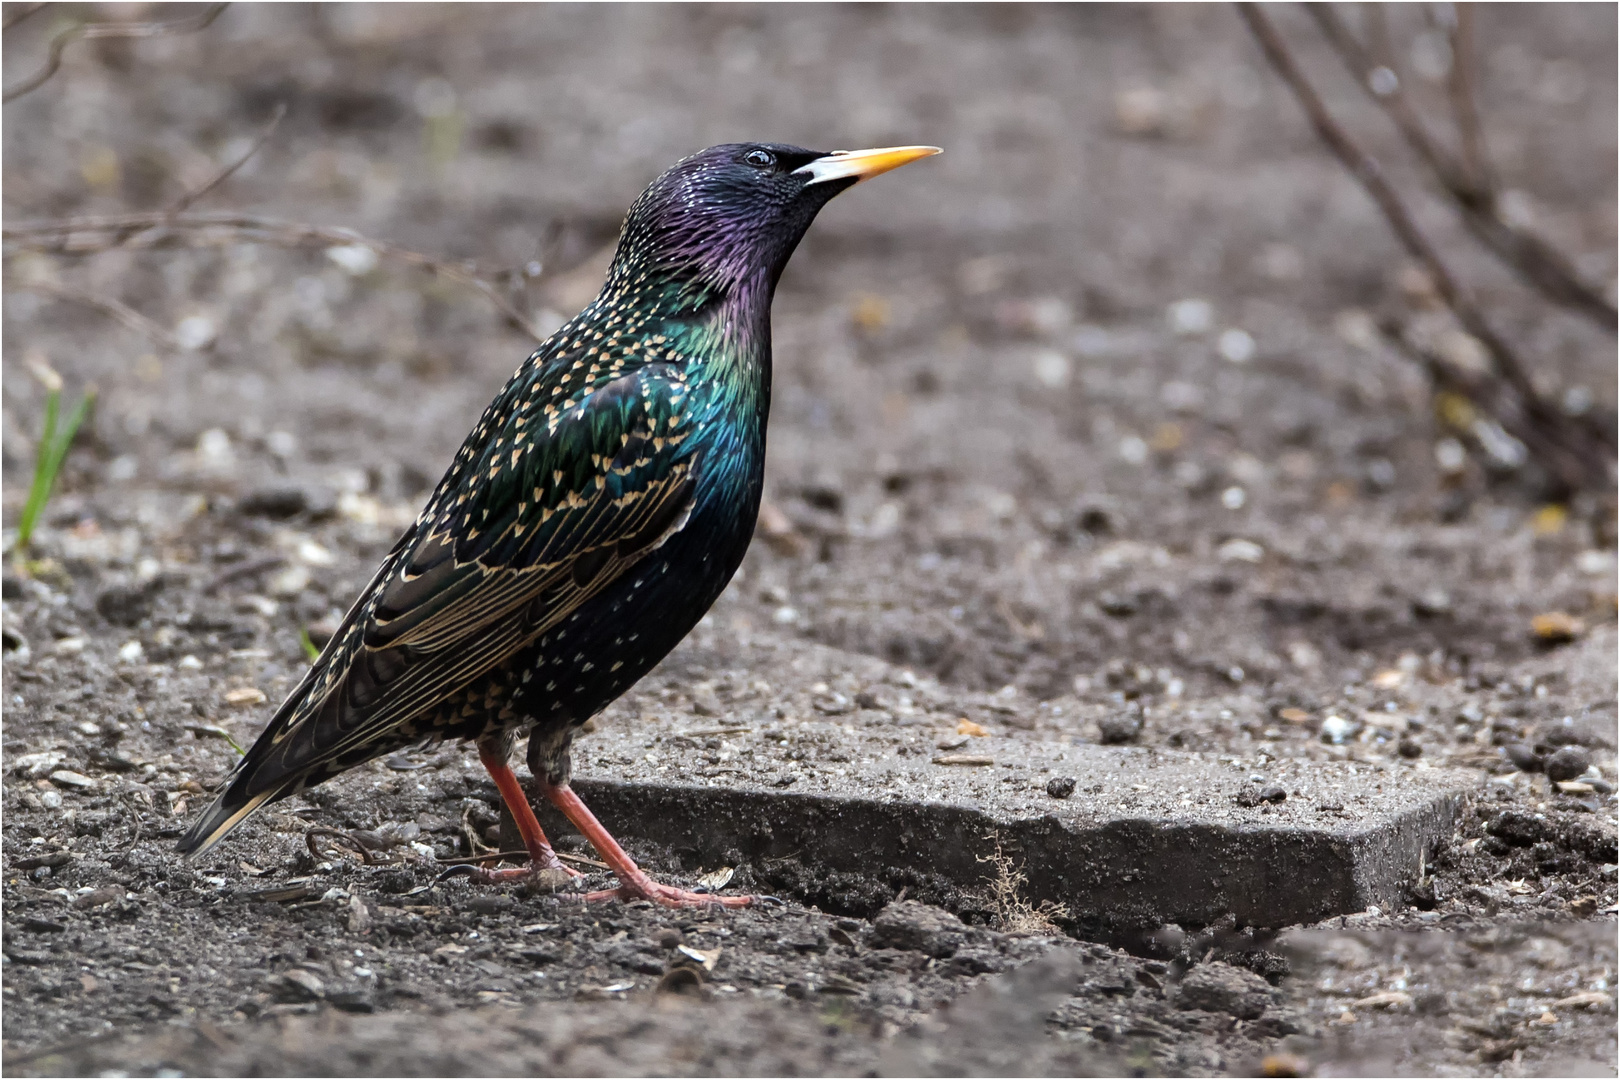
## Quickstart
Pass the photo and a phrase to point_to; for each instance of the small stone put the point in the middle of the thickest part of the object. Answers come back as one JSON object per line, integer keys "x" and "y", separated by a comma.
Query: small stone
{"x": 1284, "y": 1065}
{"x": 1556, "y": 627}
{"x": 51, "y": 800}
{"x": 1432, "y": 603}
{"x": 1409, "y": 748}
{"x": 1568, "y": 763}
{"x": 705, "y": 701}
{"x": 124, "y": 605}
{"x": 109, "y": 894}
{"x": 1219, "y": 987}
{"x": 36, "y": 766}
{"x": 245, "y": 695}
{"x": 490, "y": 905}
{"x": 195, "y": 332}
{"x": 1336, "y": 729}
{"x": 274, "y": 502}
{"x": 1236, "y": 346}
{"x": 669, "y": 938}
{"x": 1060, "y": 787}
{"x": 1118, "y": 605}
{"x": 131, "y": 653}
{"x": 1116, "y": 730}
{"x": 70, "y": 779}
{"x": 289, "y": 582}
{"x": 1191, "y": 316}
{"x": 1523, "y": 757}
{"x": 911, "y": 925}
{"x": 1240, "y": 550}
{"x": 298, "y": 985}
{"x": 1273, "y": 793}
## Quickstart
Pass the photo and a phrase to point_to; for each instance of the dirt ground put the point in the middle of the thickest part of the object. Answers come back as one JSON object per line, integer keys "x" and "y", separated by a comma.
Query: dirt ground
{"x": 1080, "y": 432}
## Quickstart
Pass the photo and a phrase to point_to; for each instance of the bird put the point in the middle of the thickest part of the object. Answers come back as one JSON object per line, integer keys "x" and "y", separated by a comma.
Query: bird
{"x": 593, "y": 515}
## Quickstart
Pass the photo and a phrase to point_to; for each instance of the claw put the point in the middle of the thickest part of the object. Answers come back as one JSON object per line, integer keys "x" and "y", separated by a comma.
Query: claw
{"x": 668, "y": 896}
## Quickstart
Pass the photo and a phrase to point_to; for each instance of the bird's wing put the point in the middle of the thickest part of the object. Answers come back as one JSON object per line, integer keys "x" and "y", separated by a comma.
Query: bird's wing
{"x": 547, "y": 502}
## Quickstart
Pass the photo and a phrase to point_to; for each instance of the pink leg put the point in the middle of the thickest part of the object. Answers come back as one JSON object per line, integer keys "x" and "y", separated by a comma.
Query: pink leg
{"x": 541, "y": 856}
{"x": 634, "y": 884}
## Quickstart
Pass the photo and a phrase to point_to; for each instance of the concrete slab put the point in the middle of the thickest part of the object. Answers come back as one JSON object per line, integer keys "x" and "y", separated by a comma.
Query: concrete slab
{"x": 1146, "y": 837}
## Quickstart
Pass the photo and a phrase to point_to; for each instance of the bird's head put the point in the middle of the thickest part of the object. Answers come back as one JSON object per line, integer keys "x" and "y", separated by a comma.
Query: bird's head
{"x": 731, "y": 215}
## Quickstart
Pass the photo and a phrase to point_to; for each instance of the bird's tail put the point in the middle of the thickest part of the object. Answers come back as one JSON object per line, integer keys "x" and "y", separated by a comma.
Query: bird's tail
{"x": 228, "y": 811}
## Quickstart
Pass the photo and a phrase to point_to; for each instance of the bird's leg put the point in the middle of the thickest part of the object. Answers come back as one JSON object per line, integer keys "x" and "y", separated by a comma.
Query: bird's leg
{"x": 634, "y": 884}
{"x": 541, "y": 856}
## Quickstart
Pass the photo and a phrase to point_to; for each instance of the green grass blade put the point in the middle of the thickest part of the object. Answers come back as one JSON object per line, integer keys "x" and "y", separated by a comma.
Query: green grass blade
{"x": 44, "y": 475}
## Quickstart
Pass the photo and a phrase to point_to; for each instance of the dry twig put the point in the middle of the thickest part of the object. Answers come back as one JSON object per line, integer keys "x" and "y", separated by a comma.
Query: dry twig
{"x": 1469, "y": 181}
{"x": 228, "y": 171}
{"x": 114, "y": 309}
{"x": 1574, "y": 456}
{"x": 163, "y": 228}
{"x": 22, "y": 12}
{"x": 191, "y": 24}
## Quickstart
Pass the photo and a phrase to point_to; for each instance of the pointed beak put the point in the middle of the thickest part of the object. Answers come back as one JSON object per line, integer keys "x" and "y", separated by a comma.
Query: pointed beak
{"x": 862, "y": 164}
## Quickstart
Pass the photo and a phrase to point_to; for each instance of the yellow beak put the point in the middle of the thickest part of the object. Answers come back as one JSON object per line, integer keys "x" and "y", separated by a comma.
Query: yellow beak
{"x": 862, "y": 164}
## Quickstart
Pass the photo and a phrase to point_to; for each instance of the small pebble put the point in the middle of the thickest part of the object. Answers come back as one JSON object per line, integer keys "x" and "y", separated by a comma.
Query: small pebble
{"x": 1567, "y": 764}
{"x": 1060, "y": 787}
{"x": 1523, "y": 757}
{"x": 51, "y": 800}
{"x": 1336, "y": 729}
{"x": 1114, "y": 730}
{"x": 1432, "y": 603}
{"x": 1236, "y": 346}
{"x": 669, "y": 938}
{"x": 1556, "y": 627}
{"x": 69, "y": 778}
{"x": 1410, "y": 748}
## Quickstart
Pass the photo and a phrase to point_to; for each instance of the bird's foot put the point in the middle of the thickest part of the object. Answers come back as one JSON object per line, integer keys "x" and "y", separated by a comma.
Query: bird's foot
{"x": 668, "y": 896}
{"x": 645, "y": 888}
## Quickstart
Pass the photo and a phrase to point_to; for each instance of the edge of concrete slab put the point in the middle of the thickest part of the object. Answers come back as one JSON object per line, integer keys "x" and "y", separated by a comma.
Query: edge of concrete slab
{"x": 1114, "y": 869}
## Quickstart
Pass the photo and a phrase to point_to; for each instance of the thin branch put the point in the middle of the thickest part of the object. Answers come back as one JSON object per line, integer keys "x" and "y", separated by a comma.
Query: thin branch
{"x": 57, "y": 237}
{"x": 102, "y": 31}
{"x": 1366, "y": 169}
{"x": 1541, "y": 265}
{"x": 23, "y": 12}
{"x": 1574, "y": 465}
{"x": 228, "y": 171}
{"x": 114, "y": 309}
{"x": 1470, "y": 132}
{"x": 1394, "y": 101}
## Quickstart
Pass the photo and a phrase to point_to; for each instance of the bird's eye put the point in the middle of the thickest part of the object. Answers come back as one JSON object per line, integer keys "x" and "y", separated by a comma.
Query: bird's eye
{"x": 760, "y": 159}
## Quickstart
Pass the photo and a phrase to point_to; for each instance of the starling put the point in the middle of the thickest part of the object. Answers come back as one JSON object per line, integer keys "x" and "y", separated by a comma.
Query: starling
{"x": 592, "y": 516}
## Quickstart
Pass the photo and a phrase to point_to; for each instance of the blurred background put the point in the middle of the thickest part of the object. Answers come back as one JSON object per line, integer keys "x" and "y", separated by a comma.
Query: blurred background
{"x": 1097, "y": 399}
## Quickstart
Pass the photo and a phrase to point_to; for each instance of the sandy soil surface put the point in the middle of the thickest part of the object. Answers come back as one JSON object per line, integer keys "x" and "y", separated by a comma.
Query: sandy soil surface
{"x": 1079, "y": 433}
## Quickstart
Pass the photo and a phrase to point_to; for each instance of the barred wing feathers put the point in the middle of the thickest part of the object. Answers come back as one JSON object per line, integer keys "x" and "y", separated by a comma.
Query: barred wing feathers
{"x": 552, "y": 497}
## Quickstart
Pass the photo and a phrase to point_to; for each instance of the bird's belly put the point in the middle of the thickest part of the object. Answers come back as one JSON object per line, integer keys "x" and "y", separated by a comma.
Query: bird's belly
{"x": 575, "y": 670}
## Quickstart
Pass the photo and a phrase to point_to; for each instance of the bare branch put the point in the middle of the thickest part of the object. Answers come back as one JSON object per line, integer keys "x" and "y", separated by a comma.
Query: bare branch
{"x": 115, "y": 309}
{"x": 228, "y": 171}
{"x": 1541, "y": 265}
{"x": 1469, "y": 131}
{"x": 91, "y": 31}
{"x": 23, "y": 12}
{"x": 1366, "y": 169}
{"x": 1392, "y": 96}
{"x": 101, "y": 233}
{"x": 1573, "y": 463}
